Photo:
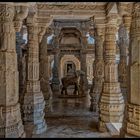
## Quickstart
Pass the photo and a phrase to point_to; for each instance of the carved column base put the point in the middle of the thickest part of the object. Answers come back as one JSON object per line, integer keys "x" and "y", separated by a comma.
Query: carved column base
{"x": 34, "y": 105}
{"x": 10, "y": 122}
{"x": 111, "y": 104}
{"x": 131, "y": 127}
{"x": 101, "y": 126}
{"x": 47, "y": 93}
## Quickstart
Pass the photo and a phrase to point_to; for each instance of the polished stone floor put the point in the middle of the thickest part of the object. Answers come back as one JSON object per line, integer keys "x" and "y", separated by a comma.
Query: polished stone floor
{"x": 71, "y": 118}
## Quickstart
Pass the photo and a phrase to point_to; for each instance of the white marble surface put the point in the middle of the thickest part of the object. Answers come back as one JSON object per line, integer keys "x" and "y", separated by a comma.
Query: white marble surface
{"x": 71, "y": 118}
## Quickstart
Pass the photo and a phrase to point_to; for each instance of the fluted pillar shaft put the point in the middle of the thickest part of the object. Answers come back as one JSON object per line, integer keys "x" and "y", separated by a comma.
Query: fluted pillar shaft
{"x": 111, "y": 106}
{"x": 10, "y": 119}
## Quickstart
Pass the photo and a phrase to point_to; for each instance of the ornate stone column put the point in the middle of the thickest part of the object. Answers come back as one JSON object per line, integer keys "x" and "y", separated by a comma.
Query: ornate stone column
{"x": 44, "y": 73}
{"x": 131, "y": 124}
{"x": 10, "y": 119}
{"x": 83, "y": 58}
{"x": 34, "y": 103}
{"x": 55, "y": 70}
{"x": 22, "y": 77}
{"x": 98, "y": 67}
{"x": 111, "y": 105}
{"x": 84, "y": 68}
{"x": 122, "y": 67}
{"x": 20, "y": 42}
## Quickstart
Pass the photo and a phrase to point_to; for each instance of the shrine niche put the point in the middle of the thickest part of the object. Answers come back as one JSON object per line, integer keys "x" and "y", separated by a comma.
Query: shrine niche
{"x": 69, "y": 68}
{"x": 68, "y": 61}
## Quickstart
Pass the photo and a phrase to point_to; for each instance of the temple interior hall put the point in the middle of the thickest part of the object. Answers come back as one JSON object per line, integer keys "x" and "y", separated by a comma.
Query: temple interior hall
{"x": 69, "y": 70}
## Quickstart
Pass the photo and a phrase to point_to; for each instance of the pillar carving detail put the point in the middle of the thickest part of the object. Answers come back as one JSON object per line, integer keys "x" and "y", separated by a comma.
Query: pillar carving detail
{"x": 44, "y": 72}
{"x": 98, "y": 73}
{"x": 122, "y": 67}
{"x": 10, "y": 119}
{"x": 56, "y": 66}
{"x": 111, "y": 104}
{"x": 34, "y": 102}
{"x": 131, "y": 124}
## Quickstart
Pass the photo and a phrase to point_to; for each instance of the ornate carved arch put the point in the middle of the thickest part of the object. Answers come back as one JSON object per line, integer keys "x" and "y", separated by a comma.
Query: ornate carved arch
{"x": 66, "y": 58}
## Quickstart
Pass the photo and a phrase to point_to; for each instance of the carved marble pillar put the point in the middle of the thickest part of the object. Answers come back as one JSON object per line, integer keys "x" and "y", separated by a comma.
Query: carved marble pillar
{"x": 19, "y": 42}
{"x": 44, "y": 72}
{"x": 22, "y": 77}
{"x": 98, "y": 67}
{"x": 56, "y": 66}
{"x": 10, "y": 119}
{"x": 111, "y": 104}
{"x": 131, "y": 124}
{"x": 34, "y": 103}
{"x": 84, "y": 68}
{"x": 122, "y": 67}
{"x": 83, "y": 59}
{"x": 55, "y": 71}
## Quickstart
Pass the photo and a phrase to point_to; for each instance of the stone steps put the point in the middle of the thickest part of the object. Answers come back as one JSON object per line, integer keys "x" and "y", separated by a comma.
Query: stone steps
{"x": 114, "y": 129}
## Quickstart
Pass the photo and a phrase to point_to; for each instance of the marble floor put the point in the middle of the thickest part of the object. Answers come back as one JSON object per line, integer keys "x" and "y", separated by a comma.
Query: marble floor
{"x": 71, "y": 118}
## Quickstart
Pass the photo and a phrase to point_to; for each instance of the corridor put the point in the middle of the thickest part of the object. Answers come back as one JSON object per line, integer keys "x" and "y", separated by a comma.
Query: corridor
{"x": 71, "y": 118}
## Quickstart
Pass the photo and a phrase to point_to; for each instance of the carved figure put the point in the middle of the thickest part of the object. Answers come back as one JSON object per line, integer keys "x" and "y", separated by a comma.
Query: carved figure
{"x": 72, "y": 80}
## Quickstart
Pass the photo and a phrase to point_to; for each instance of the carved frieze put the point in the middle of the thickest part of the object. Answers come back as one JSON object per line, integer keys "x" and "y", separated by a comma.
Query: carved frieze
{"x": 70, "y": 6}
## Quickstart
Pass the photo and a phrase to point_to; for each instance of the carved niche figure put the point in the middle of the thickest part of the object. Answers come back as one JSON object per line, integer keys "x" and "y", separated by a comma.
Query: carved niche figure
{"x": 70, "y": 71}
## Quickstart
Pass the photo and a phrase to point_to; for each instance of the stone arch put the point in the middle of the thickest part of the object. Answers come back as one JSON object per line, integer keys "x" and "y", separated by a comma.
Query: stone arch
{"x": 66, "y": 58}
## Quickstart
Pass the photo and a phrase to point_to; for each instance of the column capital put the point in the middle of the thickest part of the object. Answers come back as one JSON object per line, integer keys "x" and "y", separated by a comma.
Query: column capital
{"x": 101, "y": 31}
{"x": 41, "y": 32}
{"x": 113, "y": 20}
{"x": 48, "y": 31}
{"x": 43, "y": 25}
{"x": 7, "y": 12}
{"x": 21, "y": 13}
{"x": 31, "y": 19}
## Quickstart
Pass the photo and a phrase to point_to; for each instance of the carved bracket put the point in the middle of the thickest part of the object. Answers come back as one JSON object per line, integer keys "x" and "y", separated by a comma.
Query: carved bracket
{"x": 20, "y": 15}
